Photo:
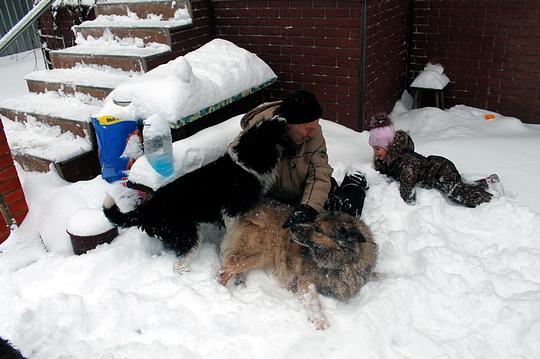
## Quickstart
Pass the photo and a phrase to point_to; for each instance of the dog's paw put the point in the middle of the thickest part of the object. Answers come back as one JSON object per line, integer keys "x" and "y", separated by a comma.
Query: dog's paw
{"x": 182, "y": 266}
{"x": 321, "y": 323}
{"x": 108, "y": 202}
{"x": 223, "y": 276}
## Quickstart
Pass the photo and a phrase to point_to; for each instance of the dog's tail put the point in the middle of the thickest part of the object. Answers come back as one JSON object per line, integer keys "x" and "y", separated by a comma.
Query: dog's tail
{"x": 113, "y": 214}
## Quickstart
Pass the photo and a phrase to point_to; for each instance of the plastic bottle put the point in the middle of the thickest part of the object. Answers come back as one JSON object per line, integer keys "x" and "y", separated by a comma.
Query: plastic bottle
{"x": 158, "y": 145}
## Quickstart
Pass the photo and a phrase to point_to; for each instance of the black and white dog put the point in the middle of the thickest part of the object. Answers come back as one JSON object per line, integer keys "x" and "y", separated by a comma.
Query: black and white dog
{"x": 7, "y": 351}
{"x": 226, "y": 188}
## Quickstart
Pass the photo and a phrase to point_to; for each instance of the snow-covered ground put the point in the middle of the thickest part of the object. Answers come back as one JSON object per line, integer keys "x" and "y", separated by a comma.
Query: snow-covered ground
{"x": 452, "y": 282}
{"x": 13, "y": 68}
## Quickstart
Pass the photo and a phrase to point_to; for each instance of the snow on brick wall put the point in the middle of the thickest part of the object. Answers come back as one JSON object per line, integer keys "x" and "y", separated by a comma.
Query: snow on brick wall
{"x": 314, "y": 45}
{"x": 490, "y": 51}
{"x": 10, "y": 188}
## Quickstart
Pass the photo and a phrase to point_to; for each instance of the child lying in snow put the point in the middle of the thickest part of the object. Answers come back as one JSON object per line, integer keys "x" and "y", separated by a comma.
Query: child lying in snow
{"x": 393, "y": 155}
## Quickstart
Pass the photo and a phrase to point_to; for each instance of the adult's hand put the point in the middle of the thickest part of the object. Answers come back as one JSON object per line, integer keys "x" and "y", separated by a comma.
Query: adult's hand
{"x": 302, "y": 214}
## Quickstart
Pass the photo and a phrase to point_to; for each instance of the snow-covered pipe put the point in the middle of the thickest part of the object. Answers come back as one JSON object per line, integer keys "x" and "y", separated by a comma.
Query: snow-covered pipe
{"x": 24, "y": 23}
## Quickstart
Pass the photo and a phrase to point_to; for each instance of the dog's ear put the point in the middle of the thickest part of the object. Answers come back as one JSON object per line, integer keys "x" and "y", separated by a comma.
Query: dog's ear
{"x": 257, "y": 147}
{"x": 272, "y": 128}
{"x": 349, "y": 237}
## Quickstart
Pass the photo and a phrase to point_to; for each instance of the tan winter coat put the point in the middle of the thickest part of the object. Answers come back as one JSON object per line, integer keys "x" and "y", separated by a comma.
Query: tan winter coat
{"x": 304, "y": 173}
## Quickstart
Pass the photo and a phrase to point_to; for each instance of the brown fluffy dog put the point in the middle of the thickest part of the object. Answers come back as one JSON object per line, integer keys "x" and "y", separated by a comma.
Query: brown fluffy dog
{"x": 333, "y": 256}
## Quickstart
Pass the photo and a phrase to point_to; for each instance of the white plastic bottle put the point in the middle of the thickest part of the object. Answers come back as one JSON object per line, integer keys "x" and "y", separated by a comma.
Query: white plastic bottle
{"x": 158, "y": 145}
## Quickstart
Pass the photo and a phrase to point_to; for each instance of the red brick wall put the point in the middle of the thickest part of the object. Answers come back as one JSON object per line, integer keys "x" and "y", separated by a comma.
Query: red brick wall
{"x": 10, "y": 188}
{"x": 490, "y": 50}
{"x": 386, "y": 54}
{"x": 310, "y": 44}
{"x": 189, "y": 38}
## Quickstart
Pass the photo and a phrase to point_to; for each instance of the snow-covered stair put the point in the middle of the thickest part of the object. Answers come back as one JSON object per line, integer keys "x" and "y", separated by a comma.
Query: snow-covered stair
{"x": 153, "y": 29}
{"x": 128, "y": 54}
{"x": 167, "y": 8}
{"x": 127, "y": 38}
{"x": 50, "y": 129}
{"x": 70, "y": 113}
{"x": 96, "y": 81}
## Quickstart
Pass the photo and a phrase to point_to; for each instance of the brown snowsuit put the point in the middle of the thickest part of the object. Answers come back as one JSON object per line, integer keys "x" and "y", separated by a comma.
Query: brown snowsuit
{"x": 304, "y": 175}
{"x": 411, "y": 168}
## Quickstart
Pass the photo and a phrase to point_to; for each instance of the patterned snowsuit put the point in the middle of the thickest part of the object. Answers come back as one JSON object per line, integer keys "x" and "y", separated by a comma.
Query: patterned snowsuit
{"x": 411, "y": 169}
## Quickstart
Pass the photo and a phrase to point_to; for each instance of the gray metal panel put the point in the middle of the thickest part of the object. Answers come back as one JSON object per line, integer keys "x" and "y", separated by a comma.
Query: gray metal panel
{"x": 11, "y": 11}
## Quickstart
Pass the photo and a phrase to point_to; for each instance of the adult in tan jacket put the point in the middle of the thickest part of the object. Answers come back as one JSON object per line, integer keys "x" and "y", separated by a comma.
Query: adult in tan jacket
{"x": 304, "y": 176}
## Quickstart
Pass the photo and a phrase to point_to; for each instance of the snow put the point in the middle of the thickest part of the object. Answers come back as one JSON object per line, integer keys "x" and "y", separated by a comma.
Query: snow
{"x": 43, "y": 141}
{"x": 17, "y": 66}
{"x": 453, "y": 282}
{"x": 74, "y": 3}
{"x": 76, "y": 108}
{"x": 87, "y": 75}
{"x": 108, "y": 44}
{"x": 432, "y": 77}
{"x": 132, "y": 20}
{"x": 189, "y": 154}
{"x": 216, "y": 71}
{"x": 88, "y": 222}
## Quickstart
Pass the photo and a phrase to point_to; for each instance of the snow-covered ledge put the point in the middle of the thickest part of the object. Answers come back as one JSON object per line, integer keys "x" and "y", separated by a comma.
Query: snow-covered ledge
{"x": 189, "y": 154}
{"x": 184, "y": 90}
{"x": 191, "y": 86}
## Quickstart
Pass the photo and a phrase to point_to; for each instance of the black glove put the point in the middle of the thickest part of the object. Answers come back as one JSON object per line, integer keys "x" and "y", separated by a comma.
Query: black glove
{"x": 302, "y": 214}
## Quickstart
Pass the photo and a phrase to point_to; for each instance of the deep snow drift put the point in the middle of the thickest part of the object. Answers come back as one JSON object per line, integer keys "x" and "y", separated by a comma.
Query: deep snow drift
{"x": 453, "y": 282}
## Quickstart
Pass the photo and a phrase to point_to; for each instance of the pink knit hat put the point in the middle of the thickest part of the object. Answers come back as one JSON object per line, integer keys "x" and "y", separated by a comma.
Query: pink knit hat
{"x": 381, "y": 134}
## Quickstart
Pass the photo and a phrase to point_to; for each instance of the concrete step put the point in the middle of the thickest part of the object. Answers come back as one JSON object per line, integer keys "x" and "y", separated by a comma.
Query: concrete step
{"x": 70, "y": 113}
{"x": 124, "y": 55}
{"x": 142, "y": 8}
{"x": 150, "y": 29}
{"x": 39, "y": 147}
{"x": 95, "y": 81}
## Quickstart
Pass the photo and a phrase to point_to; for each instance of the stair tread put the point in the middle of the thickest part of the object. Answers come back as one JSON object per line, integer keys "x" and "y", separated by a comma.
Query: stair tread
{"x": 108, "y": 45}
{"x": 133, "y": 21}
{"x": 92, "y": 76}
{"x": 52, "y": 104}
{"x": 43, "y": 141}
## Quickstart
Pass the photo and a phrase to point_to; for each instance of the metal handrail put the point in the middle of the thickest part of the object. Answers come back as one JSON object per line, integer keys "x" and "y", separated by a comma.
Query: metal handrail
{"x": 28, "y": 19}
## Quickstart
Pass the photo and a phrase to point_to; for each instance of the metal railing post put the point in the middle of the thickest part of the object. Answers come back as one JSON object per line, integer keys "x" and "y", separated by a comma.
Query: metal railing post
{"x": 28, "y": 19}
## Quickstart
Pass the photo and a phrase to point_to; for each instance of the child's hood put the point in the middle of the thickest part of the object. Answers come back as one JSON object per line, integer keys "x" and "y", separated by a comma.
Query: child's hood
{"x": 401, "y": 143}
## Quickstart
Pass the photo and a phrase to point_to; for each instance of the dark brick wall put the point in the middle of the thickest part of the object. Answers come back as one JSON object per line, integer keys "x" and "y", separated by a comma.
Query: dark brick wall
{"x": 490, "y": 50}
{"x": 55, "y": 25}
{"x": 386, "y": 54}
{"x": 310, "y": 44}
{"x": 10, "y": 189}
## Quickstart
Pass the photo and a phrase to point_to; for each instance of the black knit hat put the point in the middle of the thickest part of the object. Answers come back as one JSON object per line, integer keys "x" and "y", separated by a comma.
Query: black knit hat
{"x": 300, "y": 107}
